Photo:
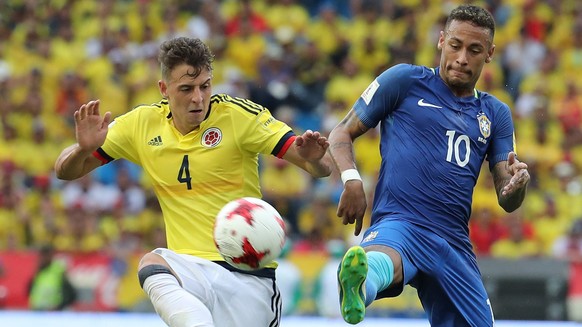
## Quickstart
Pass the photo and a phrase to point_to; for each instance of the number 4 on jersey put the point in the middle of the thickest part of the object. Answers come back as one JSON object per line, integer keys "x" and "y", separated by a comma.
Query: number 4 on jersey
{"x": 184, "y": 173}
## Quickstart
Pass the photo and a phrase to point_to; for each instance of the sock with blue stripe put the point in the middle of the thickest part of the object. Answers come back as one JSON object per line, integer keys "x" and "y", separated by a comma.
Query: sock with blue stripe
{"x": 380, "y": 274}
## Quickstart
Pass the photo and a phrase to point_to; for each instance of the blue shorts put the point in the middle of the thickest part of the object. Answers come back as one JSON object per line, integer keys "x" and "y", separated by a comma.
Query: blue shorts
{"x": 447, "y": 279}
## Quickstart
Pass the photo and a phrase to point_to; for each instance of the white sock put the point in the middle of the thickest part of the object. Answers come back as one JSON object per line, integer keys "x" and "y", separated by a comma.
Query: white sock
{"x": 176, "y": 306}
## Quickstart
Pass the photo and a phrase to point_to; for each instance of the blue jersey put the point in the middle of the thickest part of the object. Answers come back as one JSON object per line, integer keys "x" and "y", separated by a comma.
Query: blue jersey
{"x": 433, "y": 145}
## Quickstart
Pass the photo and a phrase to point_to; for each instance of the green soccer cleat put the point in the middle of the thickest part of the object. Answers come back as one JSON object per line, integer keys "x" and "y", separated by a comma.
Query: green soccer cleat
{"x": 351, "y": 276}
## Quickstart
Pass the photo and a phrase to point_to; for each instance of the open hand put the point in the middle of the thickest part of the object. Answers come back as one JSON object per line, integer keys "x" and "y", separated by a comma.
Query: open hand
{"x": 519, "y": 175}
{"x": 90, "y": 127}
{"x": 311, "y": 146}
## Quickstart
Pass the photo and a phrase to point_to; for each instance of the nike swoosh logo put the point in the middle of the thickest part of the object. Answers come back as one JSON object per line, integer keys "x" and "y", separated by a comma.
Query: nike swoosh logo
{"x": 421, "y": 103}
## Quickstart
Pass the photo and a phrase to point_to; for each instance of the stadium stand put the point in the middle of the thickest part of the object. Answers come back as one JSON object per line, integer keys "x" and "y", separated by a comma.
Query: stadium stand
{"x": 307, "y": 61}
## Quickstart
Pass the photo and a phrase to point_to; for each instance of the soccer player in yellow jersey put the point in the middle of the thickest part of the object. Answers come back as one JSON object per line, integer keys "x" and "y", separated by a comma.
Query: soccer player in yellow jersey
{"x": 201, "y": 151}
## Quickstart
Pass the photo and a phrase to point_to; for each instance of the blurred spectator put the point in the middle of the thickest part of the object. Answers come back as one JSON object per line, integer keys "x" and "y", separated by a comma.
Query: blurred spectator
{"x": 405, "y": 48}
{"x": 518, "y": 243}
{"x": 312, "y": 70}
{"x": 79, "y": 232}
{"x": 45, "y": 154}
{"x": 325, "y": 291}
{"x": 501, "y": 11}
{"x": 569, "y": 113}
{"x": 569, "y": 247}
{"x": 206, "y": 21}
{"x": 328, "y": 31}
{"x": 370, "y": 56}
{"x": 536, "y": 24}
{"x": 172, "y": 23}
{"x": 539, "y": 135}
{"x": 285, "y": 188}
{"x": 368, "y": 21}
{"x": 287, "y": 13}
{"x": 289, "y": 280}
{"x": 319, "y": 216}
{"x": 66, "y": 48}
{"x": 484, "y": 193}
{"x": 43, "y": 204}
{"x": 88, "y": 194}
{"x": 311, "y": 241}
{"x": 50, "y": 288}
{"x": 547, "y": 78}
{"x": 528, "y": 103}
{"x": 569, "y": 185}
{"x": 107, "y": 174}
{"x": 246, "y": 14}
{"x": 367, "y": 156}
{"x": 245, "y": 49}
{"x": 484, "y": 230}
{"x": 569, "y": 61}
{"x": 132, "y": 197}
{"x": 71, "y": 94}
{"x": 141, "y": 80}
{"x": 272, "y": 86}
{"x": 522, "y": 46}
{"x": 14, "y": 217}
{"x": 234, "y": 84}
{"x": 550, "y": 224}
{"x": 493, "y": 84}
{"x": 344, "y": 7}
{"x": 9, "y": 144}
{"x": 346, "y": 86}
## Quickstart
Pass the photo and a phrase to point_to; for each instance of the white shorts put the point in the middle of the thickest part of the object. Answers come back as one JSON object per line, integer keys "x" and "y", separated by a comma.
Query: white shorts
{"x": 235, "y": 299}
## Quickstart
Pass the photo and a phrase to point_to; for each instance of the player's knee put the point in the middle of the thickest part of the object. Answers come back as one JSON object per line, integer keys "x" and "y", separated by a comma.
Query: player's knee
{"x": 151, "y": 258}
{"x": 151, "y": 270}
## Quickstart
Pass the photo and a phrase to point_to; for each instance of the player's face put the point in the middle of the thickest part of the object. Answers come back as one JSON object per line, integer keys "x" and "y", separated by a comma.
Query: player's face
{"x": 465, "y": 50}
{"x": 188, "y": 96}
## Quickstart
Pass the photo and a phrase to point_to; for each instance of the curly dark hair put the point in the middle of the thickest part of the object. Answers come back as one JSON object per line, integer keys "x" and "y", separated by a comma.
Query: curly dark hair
{"x": 184, "y": 50}
{"x": 475, "y": 15}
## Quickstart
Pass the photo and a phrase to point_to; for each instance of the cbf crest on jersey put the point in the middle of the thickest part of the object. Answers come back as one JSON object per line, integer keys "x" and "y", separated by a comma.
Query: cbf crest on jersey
{"x": 211, "y": 137}
{"x": 484, "y": 124}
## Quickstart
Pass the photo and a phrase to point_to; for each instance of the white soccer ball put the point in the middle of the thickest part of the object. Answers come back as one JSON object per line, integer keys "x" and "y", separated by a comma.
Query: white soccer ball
{"x": 249, "y": 233}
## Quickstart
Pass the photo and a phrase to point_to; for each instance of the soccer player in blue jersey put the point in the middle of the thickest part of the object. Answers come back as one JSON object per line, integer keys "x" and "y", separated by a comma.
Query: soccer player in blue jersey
{"x": 436, "y": 132}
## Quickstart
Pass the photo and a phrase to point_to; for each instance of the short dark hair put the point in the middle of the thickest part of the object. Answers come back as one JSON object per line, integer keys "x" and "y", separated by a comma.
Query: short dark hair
{"x": 184, "y": 50}
{"x": 475, "y": 15}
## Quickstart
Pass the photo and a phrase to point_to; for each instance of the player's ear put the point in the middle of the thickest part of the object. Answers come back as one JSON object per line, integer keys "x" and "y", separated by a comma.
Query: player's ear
{"x": 490, "y": 54}
{"x": 163, "y": 88}
{"x": 441, "y": 41}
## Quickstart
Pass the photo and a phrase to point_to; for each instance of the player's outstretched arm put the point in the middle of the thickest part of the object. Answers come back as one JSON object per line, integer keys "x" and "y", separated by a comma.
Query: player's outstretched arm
{"x": 309, "y": 152}
{"x": 352, "y": 204}
{"x": 90, "y": 130}
{"x": 511, "y": 178}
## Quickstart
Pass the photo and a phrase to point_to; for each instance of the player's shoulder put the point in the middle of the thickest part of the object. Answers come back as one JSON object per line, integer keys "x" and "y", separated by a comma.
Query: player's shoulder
{"x": 225, "y": 103}
{"x": 405, "y": 68}
{"x": 404, "y": 72}
{"x": 153, "y": 110}
{"x": 491, "y": 101}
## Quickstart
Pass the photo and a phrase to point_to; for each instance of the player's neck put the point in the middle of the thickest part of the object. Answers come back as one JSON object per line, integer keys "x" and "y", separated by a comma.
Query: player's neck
{"x": 462, "y": 92}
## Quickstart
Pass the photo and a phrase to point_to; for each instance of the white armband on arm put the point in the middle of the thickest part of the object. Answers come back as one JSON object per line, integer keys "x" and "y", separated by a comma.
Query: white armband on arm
{"x": 350, "y": 174}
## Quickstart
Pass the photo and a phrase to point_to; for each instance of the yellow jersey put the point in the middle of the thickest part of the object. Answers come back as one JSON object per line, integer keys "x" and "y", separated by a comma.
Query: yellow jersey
{"x": 196, "y": 174}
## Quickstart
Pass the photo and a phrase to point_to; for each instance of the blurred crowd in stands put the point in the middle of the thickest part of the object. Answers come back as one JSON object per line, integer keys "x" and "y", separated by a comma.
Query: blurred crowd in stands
{"x": 307, "y": 61}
